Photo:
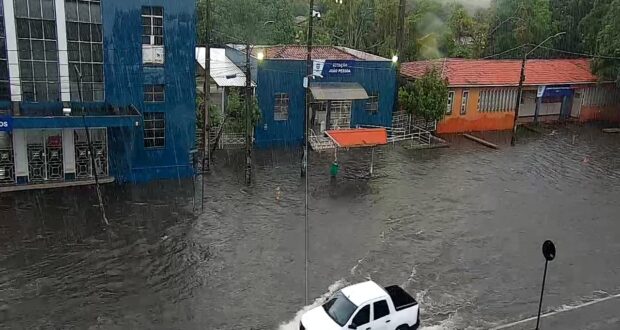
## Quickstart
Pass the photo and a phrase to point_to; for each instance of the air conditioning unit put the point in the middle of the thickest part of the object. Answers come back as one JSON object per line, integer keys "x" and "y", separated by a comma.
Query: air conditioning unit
{"x": 153, "y": 54}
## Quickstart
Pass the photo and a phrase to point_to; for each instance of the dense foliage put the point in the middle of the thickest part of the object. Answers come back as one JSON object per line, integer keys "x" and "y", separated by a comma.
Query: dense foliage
{"x": 426, "y": 98}
{"x": 433, "y": 28}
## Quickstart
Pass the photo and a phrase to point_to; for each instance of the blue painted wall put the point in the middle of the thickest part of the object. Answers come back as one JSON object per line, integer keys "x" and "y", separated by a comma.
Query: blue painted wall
{"x": 125, "y": 77}
{"x": 286, "y": 76}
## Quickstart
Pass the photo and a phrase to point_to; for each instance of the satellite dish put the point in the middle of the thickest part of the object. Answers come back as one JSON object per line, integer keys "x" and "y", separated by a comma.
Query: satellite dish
{"x": 548, "y": 250}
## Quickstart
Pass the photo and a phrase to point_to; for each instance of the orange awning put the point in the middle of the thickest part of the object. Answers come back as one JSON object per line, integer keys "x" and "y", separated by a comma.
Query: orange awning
{"x": 359, "y": 137}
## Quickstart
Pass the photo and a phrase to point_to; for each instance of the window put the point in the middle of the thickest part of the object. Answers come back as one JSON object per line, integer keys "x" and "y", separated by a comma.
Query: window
{"x": 372, "y": 104}
{"x": 5, "y": 86}
{"x": 450, "y": 102}
{"x": 362, "y": 317}
{"x": 85, "y": 49}
{"x": 153, "y": 26}
{"x": 381, "y": 309}
{"x": 37, "y": 49}
{"x": 154, "y": 93}
{"x": 280, "y": 111}
{"x": 154, "y": 130}
{"x": 464, "y": 102}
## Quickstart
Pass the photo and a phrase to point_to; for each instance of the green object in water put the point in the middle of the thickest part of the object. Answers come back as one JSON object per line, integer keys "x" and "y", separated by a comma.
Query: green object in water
{"x": 334, "y": 169}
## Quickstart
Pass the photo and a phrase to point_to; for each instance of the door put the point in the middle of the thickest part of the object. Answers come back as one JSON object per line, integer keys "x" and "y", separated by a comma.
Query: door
{"x": 362, "y": 319}
{"x": 45, "y": 161}
{"x": 83, "y": 161}
{"x": 576, "y": 109}
{"x": 381, "y": 316}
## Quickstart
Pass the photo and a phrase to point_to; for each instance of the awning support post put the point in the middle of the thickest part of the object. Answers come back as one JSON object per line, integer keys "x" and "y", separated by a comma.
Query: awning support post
{"x": 372, "y": 159}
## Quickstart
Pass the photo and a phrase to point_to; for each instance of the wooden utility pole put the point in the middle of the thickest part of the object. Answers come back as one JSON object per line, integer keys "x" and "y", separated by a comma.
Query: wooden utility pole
{"x": 248, "y": 124}
{"x": 206, "y": 161}
{"x": 513, "y": 140}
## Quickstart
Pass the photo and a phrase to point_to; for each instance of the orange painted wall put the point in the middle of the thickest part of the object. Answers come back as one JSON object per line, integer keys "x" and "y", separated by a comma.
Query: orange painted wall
{"x": 473, "y": 120}
{"x": 591, "y": 113}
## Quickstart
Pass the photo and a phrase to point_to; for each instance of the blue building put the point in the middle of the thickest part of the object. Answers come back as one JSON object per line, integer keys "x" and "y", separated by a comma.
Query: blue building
{"x": 349, "y": 89}
{"x": 121, "y": 70}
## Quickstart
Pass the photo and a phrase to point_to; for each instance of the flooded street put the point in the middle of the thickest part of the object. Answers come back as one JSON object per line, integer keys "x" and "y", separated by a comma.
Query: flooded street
{"x": 460, "y": 228}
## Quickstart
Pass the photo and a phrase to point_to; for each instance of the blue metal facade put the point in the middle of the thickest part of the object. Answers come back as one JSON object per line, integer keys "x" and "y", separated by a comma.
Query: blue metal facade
{"x": 286, "y": 76}
{"x": 125, "y": 77}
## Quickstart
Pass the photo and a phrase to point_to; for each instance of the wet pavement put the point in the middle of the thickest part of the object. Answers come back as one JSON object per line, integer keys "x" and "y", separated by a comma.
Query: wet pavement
{"x": 460, "y": 228}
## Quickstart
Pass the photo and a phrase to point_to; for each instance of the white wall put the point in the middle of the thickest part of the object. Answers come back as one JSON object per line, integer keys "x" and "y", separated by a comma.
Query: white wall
{"x": 11, "y": 44}
{"x": 63, "y": 56}
{"x": 68, "y": 151}
{"x": 20, "y": 153}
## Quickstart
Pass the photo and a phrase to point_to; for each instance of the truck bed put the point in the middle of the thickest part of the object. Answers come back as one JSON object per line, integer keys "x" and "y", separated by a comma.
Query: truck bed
{"x": 400, "y": 297}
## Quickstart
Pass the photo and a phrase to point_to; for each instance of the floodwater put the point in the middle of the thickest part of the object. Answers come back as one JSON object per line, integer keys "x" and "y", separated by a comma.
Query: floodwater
{"x": 460, "y": 228}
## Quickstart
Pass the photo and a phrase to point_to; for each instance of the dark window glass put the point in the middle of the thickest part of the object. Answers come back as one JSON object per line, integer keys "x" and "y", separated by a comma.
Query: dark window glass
{"x": 24, "y": 49}
{"x": 73, "y": 49}
{"x": 40, "y": 91}
{"x": 87, "y": 72}
{"x": 36, "y": 29}
{"x": 97, "y": 53}
{"x": 49, "y": 30}
{"x": 146, "y": 10}
{"x": 381, "y": 309}
{"x": 85, "y": 32}
{"x": 21, "y": 8}
{"x": 4, "y": 71}
{"x": 158, "y": 11}
{"x": 34, "y": 8}
{"x": 48, "y": 9}
{"x": 95, "y": 12}
{"x": 85, "y": 52}
{"x": 52, "y": 71}
{"x": 98, "y": 73}
{"x": 28, "y": 91}
{"x": 5, "y": 90}
{"x": 72, "y": 31}
{"x": 71, "y": 10}
{"x": 363, "y": 316}
{"x": 39, "y": 70}
{"x": 96, "y": 33}
{"x": 38, "y": 52}
{"x": 52, "y": 90}
{"x": 25, "y": 70}
{"x": 83, "y": 12}
{"x": 23, "y": 28}
{"x": 51, "y": 51}
{"x": 154, "y": 129}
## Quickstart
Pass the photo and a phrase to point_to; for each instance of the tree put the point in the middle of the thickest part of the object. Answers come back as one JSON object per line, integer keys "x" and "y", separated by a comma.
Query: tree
{"x": 236, "y": 112}
{"x": 608, "y": 44}
{"x": 426, "y": 97}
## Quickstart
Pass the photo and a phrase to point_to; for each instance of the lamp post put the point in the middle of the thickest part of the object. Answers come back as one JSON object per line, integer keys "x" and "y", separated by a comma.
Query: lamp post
{"x": 513, "y": 140}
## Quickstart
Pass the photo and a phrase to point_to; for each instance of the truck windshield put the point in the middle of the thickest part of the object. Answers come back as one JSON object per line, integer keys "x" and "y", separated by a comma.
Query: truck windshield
{"x": 339, "y": 308}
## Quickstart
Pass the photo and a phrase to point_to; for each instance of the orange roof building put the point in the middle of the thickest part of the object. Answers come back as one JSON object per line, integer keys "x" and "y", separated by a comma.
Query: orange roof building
{"x": 483, "y": 93}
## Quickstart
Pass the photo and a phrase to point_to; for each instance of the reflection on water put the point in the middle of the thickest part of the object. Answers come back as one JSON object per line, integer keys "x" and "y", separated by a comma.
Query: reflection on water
{"x": 459, "y": 227}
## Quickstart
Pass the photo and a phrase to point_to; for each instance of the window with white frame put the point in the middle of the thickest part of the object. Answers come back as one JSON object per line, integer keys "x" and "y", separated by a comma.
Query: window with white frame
{"x": 153, "y": 26}
{"x": 85, "y": 48}
{"x": 154, "y": 93}
{"x": 37, "y": 46}
{"x": 464, "y": 102}
{"x": 280, "y": 111}
{"x": 372, "y": 104}
{"x": 154, "y": 130}
{"x": 450, "y": 102}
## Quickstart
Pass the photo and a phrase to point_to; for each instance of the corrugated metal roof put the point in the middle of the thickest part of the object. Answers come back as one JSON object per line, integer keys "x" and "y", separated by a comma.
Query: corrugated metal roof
{"x": 223, "y": 71}
{"x": 338, "y": 91}
{"x": 358, "y": 138}
{"x": 461, "y": 72}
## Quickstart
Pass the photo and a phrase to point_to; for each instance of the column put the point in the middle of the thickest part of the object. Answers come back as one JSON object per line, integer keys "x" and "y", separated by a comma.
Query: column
{"x": 68, "y": 153}
{"x": 63, "y": 55}
{"x": 13, "y": 56}
{"x": 20, "y": 155}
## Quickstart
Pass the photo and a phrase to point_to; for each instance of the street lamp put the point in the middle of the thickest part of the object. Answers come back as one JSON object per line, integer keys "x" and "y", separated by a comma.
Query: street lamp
{"x": 521, "y": 81}
{"x": 260, "y": 56}
{"x": 395, "y": 59}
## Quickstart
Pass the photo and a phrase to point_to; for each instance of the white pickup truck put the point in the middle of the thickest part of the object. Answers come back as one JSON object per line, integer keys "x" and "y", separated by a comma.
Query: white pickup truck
{"x": 365, "y": 306}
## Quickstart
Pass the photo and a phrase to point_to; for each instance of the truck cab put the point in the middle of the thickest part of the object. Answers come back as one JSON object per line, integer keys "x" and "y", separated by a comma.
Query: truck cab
{"x": 365, "y": 306}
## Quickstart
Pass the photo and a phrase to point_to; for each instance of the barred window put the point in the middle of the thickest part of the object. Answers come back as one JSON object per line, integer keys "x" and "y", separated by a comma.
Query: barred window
{"x": 450, "y": 102}
{"x": 372, "y": 104}
{"x": 281, "y": 107}
{"x": 37, "y": 49}
{"x": 85, "y": 48}
{"x": 154, "y": 130}
{"x": 154, "y": 93}
{"x": 497, "y": 100}
{"x": 464, "y": 102}
{"x": 153, "y": 26}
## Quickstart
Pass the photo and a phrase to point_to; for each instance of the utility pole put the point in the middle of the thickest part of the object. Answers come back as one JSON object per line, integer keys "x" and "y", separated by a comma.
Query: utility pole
{"x": 206, "y": 162}
{"x": 513, "y": 140}
{"x": 93, "y": 164}
{"x": 248, "y": 125}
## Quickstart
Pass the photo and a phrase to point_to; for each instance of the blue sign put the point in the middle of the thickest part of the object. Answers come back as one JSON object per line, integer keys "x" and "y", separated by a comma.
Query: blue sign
{"x": 558, "y": 91}
{"x": 338, "y": 68}
{"x": 6, "y": 124}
